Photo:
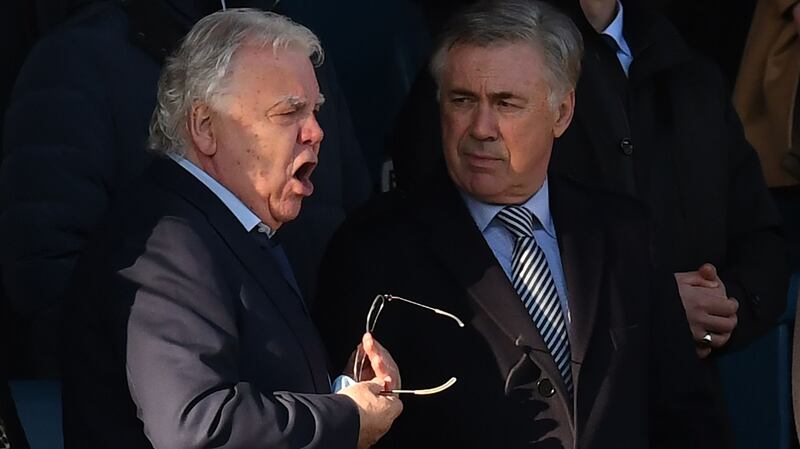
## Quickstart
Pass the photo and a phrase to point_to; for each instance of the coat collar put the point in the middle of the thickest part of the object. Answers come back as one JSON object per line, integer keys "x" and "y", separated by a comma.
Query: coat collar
{"x": 655, "y": 44}
{"x": 582, "y": 244}
{"x": 457, "y": 242}
{"x": 654, "y": 41}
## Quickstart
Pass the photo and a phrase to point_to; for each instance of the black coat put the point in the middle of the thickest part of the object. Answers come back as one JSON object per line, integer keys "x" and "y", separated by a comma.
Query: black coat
{"x": 669, "y": 136}
{"x": 637, "y": 379}
{"x": 183, "y": 329}
{"x": 75, "y": 135}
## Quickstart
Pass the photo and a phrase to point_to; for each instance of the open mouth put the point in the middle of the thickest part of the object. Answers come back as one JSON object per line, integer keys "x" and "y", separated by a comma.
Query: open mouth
{"x": 303, "y": 173}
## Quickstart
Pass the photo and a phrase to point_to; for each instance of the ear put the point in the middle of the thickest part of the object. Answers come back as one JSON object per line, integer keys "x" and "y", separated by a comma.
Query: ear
{"x": 201, "y": 131}
{"x": 564, "y": 113}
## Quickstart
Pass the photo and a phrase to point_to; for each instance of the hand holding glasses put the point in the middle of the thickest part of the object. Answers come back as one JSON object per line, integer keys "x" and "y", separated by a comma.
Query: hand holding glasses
{"x": 375, "y": 310}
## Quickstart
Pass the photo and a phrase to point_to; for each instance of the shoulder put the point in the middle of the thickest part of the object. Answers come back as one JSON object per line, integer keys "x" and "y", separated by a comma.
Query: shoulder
{"x": 92, "y": 47}
{"x": 147, "y": 217}
{"x": 699, "y": 68}
{"x": 381, "y": 215}
{"x": 621, "y": 220}
{"x": 81, "y": 33}
{"x": 598, "y": 203}
{"x": 667, "y": 54}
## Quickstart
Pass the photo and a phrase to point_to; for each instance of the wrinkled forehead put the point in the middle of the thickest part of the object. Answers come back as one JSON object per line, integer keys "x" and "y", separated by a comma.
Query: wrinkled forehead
{"x": 284, "y": 73}
{"x": 518, "y": 49}
{"x": 504, "y": 65}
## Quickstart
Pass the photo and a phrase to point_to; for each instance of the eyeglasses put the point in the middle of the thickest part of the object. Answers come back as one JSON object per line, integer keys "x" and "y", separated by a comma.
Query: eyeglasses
{"x": 372, "y": 319}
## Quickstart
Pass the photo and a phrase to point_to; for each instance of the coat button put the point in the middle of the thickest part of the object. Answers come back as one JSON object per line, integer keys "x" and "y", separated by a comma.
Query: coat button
{"x": 545, "y": 388}
{"x": 626, "y": 145}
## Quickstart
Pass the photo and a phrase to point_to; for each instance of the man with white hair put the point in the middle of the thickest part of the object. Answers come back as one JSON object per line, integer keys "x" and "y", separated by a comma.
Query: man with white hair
{"x": 570, "y": 337}
{"x": 186, "y": 327}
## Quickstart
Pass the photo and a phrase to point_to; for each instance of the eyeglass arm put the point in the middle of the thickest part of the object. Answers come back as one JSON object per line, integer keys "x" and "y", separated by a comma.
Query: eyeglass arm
{"x": 426, "y": 391}
{"x": 433, "y": 309}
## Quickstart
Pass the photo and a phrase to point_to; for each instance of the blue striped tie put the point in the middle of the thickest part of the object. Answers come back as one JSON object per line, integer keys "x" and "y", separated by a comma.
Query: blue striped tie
{"x": 533, "y": 281}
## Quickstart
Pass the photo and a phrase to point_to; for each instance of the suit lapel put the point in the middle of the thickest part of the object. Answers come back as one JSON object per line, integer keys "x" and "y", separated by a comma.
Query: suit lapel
{"x": 581, "y": 244}
{"x": 261, "y": 266}
{"x": 459, "y": 245}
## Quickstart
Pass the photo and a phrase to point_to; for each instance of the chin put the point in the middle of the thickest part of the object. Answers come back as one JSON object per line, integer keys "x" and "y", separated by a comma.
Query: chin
{"x": 289, "y": 212}
{"x": 486, "y": 192}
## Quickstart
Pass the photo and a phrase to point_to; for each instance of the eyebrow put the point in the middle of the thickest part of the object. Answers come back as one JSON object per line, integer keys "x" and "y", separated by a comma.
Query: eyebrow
{"x": 294, "y": 101}
{"x": 300, "y": 102}
{"x": 461, "y": 92}
{"x": 494, "y": 96}
{"x": 504, "y": 96}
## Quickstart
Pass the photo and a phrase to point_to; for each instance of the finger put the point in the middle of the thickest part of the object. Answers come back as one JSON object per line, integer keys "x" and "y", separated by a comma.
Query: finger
{"x": 698, "y": 333}
{"x": 720, "y": 306}
{"x": 370, "y": 345}
{"x": 388, "y": 362}
{"x": 383, "y": 365}
{"x": 694, "y": 279}
{"x": 716, "y": 341}
{"x": 718, "y": 324}
{"x": 375, "y": 355}
{"x": 374, "y": 385}
{"x": 368, "y": 342}
{"x": 720, "y": 340}
{"x": 708, "y": 272}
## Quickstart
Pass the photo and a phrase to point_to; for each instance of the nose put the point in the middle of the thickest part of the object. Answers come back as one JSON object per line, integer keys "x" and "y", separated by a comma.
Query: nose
{"x": 484, "y": 124}
{"x": 311, "y": 133}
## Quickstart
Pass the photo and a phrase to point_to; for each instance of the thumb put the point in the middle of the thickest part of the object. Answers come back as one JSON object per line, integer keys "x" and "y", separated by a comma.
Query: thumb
{"x": 368, "y": 343}
{"x": 375, "y": 385}
{"x": 708, "y": 272}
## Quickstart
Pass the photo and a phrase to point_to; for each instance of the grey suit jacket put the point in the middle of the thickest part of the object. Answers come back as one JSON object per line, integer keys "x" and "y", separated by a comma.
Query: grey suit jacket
{"x": 184, "y": 334}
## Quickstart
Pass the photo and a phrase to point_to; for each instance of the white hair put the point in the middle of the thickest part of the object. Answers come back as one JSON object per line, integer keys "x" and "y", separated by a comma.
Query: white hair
{"x": 200, "y": 68}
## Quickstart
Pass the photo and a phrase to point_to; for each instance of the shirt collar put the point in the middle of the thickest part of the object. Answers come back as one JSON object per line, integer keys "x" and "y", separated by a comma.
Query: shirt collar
{"x": 538, "y": 204}
{"x": 245, "y": 216}
{"x": 614, "y": 30}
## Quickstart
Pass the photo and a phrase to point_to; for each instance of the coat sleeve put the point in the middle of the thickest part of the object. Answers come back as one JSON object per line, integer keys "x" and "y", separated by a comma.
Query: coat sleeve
{"x": 684, "y": 410}
{"x": 755, "y": 269}
{"x": 57, "y": 172}
{"x": 182, "y": 360}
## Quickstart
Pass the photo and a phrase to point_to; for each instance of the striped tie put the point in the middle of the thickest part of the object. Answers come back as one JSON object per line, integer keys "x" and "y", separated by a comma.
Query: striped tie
{"x": 533, "y": 281}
